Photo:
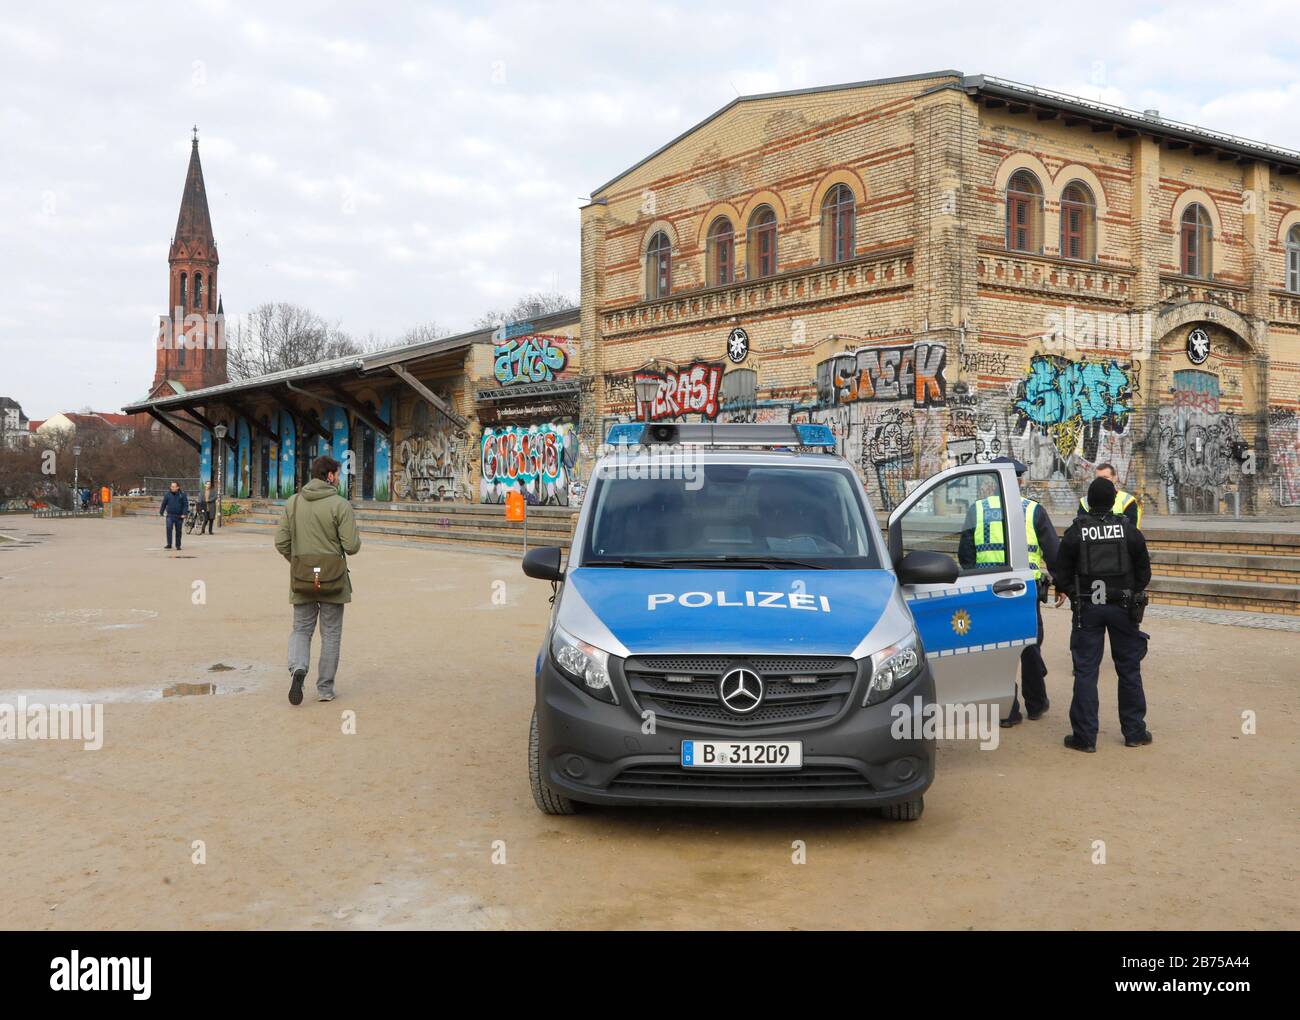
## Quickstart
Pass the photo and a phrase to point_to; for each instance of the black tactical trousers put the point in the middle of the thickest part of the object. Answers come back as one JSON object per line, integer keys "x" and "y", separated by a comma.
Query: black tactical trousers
{"x": 1128, "y": 646}
{"x": 1033, "y": 676}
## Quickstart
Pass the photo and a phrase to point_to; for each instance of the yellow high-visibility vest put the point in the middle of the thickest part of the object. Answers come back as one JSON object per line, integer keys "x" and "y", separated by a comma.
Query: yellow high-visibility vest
{"x": 990, "y": 541}
{"x": 1122, "y": 501}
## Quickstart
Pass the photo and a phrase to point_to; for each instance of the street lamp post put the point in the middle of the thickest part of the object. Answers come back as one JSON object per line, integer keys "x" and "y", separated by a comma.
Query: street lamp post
{"x": 220, "y": 432}
{"x": 76, "y": 476}
{"x": 647, "y": 388}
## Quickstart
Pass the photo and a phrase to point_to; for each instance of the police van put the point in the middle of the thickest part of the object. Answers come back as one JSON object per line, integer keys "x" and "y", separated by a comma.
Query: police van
{"x": 730, "y": 627}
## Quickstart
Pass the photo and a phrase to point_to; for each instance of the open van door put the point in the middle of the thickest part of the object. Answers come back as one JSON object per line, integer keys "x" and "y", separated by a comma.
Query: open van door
{"x": 974, "y": 628}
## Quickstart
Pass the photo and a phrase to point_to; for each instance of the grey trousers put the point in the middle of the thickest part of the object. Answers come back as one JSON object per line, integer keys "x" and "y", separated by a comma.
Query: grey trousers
{"x": 331, "y": 637}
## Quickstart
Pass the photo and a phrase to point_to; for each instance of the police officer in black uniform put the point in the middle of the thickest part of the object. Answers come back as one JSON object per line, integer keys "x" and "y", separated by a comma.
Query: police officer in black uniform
{"x": 1104, "y": 568}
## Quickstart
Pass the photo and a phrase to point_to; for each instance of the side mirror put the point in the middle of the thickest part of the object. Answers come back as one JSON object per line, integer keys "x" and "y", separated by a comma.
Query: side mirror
{"x": 921, "y": 566}
{"x": 544, "y": 563}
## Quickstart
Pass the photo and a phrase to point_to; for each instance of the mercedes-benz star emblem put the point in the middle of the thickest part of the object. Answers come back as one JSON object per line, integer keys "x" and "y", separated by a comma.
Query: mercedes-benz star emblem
{"x": 741, "y": 691}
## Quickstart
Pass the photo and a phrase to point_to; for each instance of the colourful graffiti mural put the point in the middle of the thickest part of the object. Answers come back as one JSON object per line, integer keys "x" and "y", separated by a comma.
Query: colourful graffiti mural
{"x": 537, "y": 460}
{"x": 913, "y": 372}
{"x": 530, "y": 359}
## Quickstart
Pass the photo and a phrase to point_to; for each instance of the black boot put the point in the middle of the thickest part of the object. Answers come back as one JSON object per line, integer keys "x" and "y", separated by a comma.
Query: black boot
{"x": 1141, "y": 740}
{"x": 1075, "y": 744}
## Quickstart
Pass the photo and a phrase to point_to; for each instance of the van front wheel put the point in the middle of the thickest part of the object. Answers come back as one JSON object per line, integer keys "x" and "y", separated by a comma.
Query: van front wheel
{"x": 907, "y": 811}
{"x": 547, "y": 800}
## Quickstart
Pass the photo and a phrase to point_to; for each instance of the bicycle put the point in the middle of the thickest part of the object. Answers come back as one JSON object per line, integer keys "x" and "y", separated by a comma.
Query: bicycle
{"x": 198, "y": 516}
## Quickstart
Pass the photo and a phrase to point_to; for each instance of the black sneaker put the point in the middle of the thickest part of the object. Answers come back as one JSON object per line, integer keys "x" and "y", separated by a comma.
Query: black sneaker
{"x": 295, "y": 688}
{"x": 1035, "y": 715}
{"x": 1141, "y": 740}
{"x": 1075, "y": 744}
{"x": 1013, "y": 720}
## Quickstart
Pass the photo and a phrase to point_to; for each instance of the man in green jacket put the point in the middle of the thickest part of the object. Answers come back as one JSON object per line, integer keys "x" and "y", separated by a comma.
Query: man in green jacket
{"x": 324, "y": 524}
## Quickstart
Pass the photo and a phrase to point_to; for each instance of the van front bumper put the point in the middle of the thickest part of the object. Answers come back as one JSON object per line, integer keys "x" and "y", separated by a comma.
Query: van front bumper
{"x": 597, "y": 753}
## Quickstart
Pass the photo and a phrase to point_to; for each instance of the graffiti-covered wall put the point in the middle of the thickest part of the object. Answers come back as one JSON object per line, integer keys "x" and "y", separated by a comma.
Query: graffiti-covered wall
{"x": 431, "y": 461}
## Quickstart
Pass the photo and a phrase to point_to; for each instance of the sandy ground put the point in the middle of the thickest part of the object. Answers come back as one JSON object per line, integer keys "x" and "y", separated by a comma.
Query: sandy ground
{"x": 305, "y": 826}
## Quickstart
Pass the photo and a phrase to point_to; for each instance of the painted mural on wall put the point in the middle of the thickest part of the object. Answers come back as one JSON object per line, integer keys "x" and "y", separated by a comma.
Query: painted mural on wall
{"x": 205, "y": 457}
{"x": 382, "y": 453}
{"x": 288, "y": 461}
{"x": 537, "y": 460}
{"x": 530, "y": 357}
{"x": 245, "y": 447}
{"x": 432, "y": 459}
{"x": 1284, "y": 455}
{"x": 1196, "y": 448}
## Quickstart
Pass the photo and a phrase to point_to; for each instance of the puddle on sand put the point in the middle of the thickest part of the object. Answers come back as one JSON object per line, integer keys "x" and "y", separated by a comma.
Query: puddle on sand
{"x": 185, "y": 690}
{"x": 251, "y": 680}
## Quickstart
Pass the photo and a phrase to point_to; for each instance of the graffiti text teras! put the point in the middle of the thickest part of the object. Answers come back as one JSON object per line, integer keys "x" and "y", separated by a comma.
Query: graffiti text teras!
{"x": 693, "y": 389}
{"x": 912, "y": 372}
{"x": 526, "y": 359}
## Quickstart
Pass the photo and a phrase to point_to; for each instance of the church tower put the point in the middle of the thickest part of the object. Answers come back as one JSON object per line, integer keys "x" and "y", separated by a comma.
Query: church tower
{"x": 191, "y": 347}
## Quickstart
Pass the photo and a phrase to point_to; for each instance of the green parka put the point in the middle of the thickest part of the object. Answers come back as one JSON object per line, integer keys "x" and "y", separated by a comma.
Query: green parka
{"x": 325, "y": 524}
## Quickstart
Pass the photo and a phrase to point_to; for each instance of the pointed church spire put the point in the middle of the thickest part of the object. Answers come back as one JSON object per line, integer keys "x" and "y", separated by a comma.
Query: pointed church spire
{"x": 194, "y": 225}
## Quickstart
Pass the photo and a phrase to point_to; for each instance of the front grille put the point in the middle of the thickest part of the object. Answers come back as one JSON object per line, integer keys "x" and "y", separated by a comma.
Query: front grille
{"x": 797, "y": 688}
{"x": 667, "y": 778}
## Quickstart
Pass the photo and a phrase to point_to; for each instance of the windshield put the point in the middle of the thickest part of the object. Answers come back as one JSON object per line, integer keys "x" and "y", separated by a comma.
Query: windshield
{"x": 732, "y": 515}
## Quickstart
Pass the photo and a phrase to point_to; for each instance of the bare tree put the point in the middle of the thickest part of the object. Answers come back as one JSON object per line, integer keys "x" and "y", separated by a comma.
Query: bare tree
{"x": 273, "y": 337}
{"x": 530, "y": 306}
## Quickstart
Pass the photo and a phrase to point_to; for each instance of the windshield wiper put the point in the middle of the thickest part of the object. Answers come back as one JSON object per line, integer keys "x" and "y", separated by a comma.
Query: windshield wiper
{"x": 763, "y": 562}
{"x": 657, "y": 564}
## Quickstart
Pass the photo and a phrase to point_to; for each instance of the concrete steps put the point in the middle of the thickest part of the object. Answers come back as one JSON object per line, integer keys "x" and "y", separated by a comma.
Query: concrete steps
{"x": 451, "y": 524}
{"x": 1213, "y": 564}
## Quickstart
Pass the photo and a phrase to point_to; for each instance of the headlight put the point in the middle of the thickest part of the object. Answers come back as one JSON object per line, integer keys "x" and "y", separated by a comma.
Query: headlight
{"x": 892, "y": 668}
{"x": 586, "y": 665}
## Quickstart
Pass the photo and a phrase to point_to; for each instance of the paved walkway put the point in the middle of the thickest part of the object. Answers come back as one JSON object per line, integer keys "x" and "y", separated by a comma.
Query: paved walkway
{"x": 1225, "y": 617}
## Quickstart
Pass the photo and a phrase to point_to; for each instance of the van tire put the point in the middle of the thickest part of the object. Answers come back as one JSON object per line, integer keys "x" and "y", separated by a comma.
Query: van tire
{"x": 547, "y": 800}
{"x": 907, "y": 811}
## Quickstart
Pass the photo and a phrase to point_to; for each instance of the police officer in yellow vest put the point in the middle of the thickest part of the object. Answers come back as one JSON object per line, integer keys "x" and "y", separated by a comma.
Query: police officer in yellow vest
{"x": 1126, "y": 503}
{"x": 983, "y": 544}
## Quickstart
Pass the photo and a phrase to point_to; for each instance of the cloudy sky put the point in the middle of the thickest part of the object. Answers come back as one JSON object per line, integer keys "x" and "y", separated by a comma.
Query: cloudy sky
{"x": 392, "y": 164}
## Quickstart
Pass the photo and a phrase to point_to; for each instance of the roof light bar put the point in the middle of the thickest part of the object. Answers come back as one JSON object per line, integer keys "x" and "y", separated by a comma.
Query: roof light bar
{"x": 708, "y": 434}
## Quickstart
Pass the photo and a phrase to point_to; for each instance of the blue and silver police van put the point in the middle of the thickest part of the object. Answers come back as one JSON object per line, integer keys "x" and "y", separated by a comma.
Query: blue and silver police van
{"x": 730, "y": 626}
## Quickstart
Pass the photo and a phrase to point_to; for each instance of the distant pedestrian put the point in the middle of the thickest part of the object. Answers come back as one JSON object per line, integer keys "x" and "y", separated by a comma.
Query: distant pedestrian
{"x": 209, "y": 508}
{"x": 175, "y": 505}
{"x": 316, "y": 534}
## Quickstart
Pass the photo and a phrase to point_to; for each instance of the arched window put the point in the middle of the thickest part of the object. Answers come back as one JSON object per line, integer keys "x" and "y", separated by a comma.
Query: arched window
{"x": 838, "y": 209}
{"x": 212, "y": 286}
{"x": 761, "y": 243}
{"x": 1078, "y": 223}
{"x": 183, "y": 279}
{"x": 198, "y": 291}
{"x": 658, "y": 267}
{"x": 1293, "y": 259}
{"x": 721, "y": 252}
{"x": 1196, "y": 233}
{"x": 1024, "y": 213}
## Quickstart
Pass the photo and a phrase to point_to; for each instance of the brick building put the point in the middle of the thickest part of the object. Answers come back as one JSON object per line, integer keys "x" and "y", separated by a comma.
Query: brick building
{"x": 946, "y": 268}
